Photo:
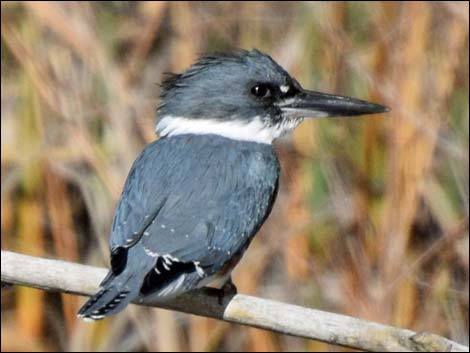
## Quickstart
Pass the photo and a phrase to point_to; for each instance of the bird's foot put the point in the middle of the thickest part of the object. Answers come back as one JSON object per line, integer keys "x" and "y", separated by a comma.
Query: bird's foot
{"x": 227, "y": 291}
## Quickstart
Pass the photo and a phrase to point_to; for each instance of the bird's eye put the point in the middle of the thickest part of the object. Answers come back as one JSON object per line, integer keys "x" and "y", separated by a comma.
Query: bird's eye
{"x": 261, "y": 91}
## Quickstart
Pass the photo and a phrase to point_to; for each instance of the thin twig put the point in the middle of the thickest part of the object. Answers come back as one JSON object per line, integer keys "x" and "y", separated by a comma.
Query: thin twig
{"x": 55, "y": 275}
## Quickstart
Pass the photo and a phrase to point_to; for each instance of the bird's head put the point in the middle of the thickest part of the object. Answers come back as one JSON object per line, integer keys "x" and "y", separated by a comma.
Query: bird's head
{"x": 245, "y": 96}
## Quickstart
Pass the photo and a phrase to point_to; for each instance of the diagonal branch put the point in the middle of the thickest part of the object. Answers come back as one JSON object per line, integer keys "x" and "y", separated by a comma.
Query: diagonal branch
{"x": 55, "y": 275}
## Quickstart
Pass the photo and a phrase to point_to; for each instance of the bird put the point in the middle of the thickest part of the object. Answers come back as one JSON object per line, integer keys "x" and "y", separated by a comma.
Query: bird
{"x": 196, "y": 196}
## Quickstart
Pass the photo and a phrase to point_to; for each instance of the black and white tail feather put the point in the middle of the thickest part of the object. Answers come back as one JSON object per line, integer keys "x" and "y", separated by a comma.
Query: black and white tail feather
{"x": 111, "y": 299}
{"x": 166, "y": 278}
{"x": 106, "y": 302}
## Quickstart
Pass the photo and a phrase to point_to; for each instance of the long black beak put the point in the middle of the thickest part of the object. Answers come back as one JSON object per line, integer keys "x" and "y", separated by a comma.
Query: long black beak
{"x": 316, "y": 104}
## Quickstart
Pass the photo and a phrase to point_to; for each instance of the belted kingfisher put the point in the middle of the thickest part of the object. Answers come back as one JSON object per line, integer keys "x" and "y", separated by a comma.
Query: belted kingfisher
{"x": 195, "y": 198}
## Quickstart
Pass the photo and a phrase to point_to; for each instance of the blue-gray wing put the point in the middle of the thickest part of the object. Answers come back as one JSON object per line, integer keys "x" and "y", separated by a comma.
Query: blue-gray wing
{"x": 193, "y": 200}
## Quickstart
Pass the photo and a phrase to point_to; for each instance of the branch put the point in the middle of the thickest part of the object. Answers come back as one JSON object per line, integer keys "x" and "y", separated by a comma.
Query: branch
{"x": 55, "y": 275}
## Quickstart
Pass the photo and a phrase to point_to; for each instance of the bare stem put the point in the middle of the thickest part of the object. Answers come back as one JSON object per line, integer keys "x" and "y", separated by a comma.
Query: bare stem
{"x": 55, "y": 275}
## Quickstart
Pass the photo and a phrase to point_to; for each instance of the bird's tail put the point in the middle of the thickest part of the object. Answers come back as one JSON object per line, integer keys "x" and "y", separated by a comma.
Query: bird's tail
{"x": 110, "y": 300}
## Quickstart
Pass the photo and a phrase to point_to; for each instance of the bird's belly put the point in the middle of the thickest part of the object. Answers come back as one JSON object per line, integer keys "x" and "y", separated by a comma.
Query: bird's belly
{"x": 218, "y": 279}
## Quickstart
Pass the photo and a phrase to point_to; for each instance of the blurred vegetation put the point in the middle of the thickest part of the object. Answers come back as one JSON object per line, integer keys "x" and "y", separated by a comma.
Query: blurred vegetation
{"x": 372, "y": 216}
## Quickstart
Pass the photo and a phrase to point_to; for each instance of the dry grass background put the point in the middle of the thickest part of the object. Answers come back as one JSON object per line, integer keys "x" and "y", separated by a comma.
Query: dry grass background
{"x": 372, "y": 216}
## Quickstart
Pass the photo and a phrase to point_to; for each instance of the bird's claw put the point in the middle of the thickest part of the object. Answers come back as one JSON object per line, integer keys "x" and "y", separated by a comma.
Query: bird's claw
{"x": 227, "y": 291}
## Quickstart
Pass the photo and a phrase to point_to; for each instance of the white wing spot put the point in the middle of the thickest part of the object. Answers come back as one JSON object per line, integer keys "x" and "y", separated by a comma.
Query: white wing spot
{"x": 146, "y": 234}
{"x": 172, "y": 230}
{"x": 284, "y": 88}
{"x": 199, "y": 270}
{"x": 86, "y": 319}
{"x": 163, "y": 226}
{"x": 150, "y": 253}
{"x": 170, "y": 258}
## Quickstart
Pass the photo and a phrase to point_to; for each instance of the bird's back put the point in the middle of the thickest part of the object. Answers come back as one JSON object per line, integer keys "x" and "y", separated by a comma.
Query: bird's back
{"x": 190, "y": 204}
